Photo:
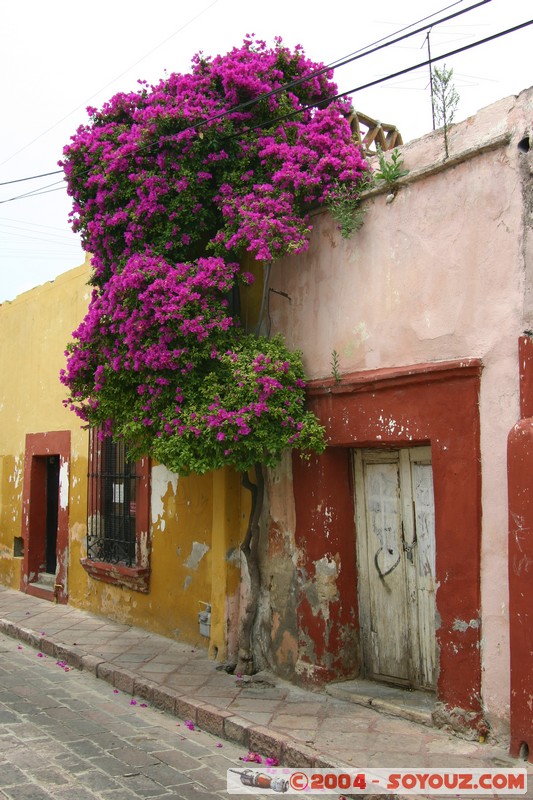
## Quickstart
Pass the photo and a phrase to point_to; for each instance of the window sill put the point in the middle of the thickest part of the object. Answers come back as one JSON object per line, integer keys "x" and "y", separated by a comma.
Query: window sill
{"x": 136, "y": 578}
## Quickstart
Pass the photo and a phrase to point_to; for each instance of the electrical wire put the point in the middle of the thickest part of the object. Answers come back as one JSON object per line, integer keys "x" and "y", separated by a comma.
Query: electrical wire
{"x": 369, "y": 49}
{"x": 35, "y": 192}
{"x": 23, "y": 230}
{"x": 25, "y": 222}
{"x": 39, "y": 239}
{"x": 51, "y": 128}
{"x": 329, "y": 99}
{"x": 388, "y": 77}
{"x": 31, "y": 177}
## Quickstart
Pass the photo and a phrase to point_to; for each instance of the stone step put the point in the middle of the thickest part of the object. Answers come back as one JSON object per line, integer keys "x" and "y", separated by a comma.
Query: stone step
{"x": 46, "y": 581}
{"x": 416, "y": 706}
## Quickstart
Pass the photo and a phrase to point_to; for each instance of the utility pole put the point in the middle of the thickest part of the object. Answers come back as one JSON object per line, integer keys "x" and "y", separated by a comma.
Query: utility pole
{"x": 431, "y": 79}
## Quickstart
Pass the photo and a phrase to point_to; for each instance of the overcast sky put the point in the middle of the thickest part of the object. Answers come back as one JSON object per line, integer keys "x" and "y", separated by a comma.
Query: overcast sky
{"x": 58, "y": 57}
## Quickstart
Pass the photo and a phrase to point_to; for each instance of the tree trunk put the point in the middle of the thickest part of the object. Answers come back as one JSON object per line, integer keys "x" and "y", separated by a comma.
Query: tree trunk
{"x": 250, "y": 551}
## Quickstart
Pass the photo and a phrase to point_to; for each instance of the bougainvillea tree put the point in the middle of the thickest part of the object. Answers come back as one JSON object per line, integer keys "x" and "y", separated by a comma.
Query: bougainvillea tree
{"x": 171, "y": 185}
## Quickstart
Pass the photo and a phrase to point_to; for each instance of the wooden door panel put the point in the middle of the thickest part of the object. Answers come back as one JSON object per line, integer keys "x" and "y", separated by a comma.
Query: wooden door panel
{"x": 396, "y": 564}
{"x": 387, "y": 604}
{"x": 424, "y": 510}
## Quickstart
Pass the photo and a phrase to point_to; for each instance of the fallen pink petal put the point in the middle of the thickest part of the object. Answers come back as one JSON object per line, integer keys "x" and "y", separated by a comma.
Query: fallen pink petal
{"x": 144, "y": 705}
{"x": 252, "y": 757}
{"x": 133, "y": 702}
{"x": 115, "y": 691}
{"x": 219, "y": 744}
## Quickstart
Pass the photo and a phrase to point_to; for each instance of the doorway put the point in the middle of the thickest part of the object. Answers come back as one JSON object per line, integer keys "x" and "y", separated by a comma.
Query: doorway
{"x": 395, "y": 524}
{"x": 45, "y": 515}
{"x": 52, "y": 510}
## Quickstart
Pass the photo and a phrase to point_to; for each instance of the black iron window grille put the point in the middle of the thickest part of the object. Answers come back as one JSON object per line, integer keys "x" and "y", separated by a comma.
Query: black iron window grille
{"x": 112, "y": 496}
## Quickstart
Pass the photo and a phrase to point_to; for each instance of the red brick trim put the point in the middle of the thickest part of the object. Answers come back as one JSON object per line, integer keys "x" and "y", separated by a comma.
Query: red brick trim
{"x": 391, "y": 377}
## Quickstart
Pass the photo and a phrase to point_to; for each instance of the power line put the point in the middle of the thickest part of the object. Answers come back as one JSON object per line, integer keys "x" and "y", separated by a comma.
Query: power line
{"x": 31, "y": 177}
{"x": 22, "y": 231}
{"x": 385, "y": 78}
{"x": 51, "y": 128}
{"x": 31, "y": 224}
{"x": 329, "y": 99}
{"x": 55, "y": 255}
{"x": 38, "y": 239}
{"x": 34, "y": 193}
{"x": 369, "y": 49}
{"x": 438, "y": 58}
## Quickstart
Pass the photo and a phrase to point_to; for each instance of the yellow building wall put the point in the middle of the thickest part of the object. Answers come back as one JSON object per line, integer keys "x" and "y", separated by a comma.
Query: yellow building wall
{"x": 197, "y": 522}
{"x": 34, "y": 330}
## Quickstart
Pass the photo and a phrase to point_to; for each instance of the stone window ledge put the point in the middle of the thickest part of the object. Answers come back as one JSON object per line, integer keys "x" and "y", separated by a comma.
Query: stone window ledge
{"x": 136, "y": 578}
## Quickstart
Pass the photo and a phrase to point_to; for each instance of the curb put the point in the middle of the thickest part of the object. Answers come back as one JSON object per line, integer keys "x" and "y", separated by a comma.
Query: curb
{"x": 211, "y": 719}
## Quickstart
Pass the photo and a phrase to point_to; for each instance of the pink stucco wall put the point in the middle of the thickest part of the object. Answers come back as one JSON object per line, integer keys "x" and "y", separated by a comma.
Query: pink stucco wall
{"x": 440, "y": 272}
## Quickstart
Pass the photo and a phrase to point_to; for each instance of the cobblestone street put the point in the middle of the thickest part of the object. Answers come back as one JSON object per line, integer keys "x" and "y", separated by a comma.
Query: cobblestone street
{"x": 68, "y": 736}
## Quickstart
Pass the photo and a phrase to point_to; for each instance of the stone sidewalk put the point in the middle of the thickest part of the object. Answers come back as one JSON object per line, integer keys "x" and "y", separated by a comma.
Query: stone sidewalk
{"x": 263, "y": 714}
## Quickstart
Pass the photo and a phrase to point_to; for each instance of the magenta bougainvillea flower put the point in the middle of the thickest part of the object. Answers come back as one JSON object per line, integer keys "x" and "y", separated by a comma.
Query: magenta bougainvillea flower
{"x": 255, "y": 758}
{"x": 171, "y": 186}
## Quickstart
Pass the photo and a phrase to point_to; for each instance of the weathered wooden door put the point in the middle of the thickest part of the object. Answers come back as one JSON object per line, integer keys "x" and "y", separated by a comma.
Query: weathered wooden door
{"x": 395, "y": 523}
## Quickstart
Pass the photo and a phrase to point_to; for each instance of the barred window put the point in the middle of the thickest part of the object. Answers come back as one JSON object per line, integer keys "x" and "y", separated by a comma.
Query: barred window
{"x": 117, "y": 524}
{"x": 111, "y": 534}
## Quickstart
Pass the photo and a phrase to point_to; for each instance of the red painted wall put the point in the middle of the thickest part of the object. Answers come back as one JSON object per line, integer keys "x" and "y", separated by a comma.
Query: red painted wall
{"x": 520, "y": 477}
{"x": 429, "y": 403}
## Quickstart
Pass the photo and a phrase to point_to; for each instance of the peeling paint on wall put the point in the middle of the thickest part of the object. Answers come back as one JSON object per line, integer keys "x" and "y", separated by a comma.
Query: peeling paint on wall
{"x": 461, "y": 625}
{"x": 287, "y": 652}
{"x": 16, "y": 477}
{"x": 63, "y": 485}
{"x": 78, "y": 533}
{"x": 62, "y": 569}
{"x": 233, "y": 556}
{"x": 323, "y": 590}
{"x": 5, "y": 552}
{"x": 163, "y": 482}
{"x": 352, "y": 347}
{"x": 198, "y": 551}
{"x": 144, "y": 547}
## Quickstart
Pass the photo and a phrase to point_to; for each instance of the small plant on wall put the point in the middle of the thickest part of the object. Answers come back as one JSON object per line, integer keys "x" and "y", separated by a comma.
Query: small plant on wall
{"x": 171, "y": 185}
{"x": 390, "y": 170}
{"x": 445, "y": 101}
